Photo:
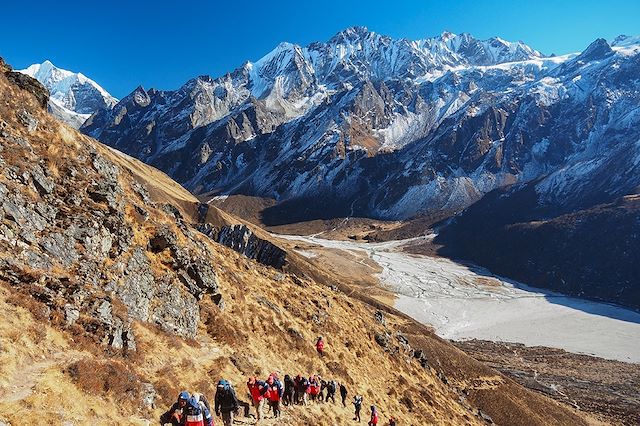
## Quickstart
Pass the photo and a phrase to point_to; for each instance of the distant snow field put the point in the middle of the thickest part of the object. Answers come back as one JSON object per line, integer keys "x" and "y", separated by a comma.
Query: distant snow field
{"x": 464, "y": 302}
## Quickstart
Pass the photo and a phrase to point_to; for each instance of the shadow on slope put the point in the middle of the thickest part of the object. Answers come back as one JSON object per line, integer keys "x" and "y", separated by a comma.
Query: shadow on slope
{"x": 296, "y": 210}
{"x": 591, "y": 253}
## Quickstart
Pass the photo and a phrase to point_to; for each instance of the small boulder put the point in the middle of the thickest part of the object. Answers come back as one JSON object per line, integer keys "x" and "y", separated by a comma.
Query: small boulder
{"x": 383, "y": 339}
{"x": 43, "y": 184}
{"x": 148, "y": 395}
{"x": 163, "y": 239}
{"x": 61, "y": 248}
{"x": 484, "y": 416}
{"x": 71, "y": 314}
{"x": 27, "y": 120}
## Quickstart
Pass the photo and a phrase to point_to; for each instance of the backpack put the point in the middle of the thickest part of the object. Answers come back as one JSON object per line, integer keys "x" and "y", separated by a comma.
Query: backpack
{"x": 331, "y": 387}
{"x": 358, "y": 401}
{"x": 193, "y": 413}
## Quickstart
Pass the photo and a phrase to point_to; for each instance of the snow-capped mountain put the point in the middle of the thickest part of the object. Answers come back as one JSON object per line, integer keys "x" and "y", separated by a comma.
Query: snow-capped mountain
{"x": 74, "y": 97}
{"x": 391, "y": 128}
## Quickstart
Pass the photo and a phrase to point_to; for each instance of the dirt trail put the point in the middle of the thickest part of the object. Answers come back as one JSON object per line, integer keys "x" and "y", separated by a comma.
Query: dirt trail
{"x": 291, "y": 415}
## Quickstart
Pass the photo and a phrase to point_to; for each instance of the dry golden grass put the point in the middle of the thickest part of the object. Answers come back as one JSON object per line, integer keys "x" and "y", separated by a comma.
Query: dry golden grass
{"x": 155, "y": 180}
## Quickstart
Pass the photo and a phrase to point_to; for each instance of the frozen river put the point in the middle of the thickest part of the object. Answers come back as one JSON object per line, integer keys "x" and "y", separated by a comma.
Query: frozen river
{"x": 463, "y": 302}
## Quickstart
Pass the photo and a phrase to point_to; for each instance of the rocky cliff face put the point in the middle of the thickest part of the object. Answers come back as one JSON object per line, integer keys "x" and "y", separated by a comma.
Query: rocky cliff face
{"x": 243, "y": 240}
{"x": 31, "y": 85}
{"x": 80, "y": 235}
{"x": 371, "y": 126}
{"x": 239, "y": 237}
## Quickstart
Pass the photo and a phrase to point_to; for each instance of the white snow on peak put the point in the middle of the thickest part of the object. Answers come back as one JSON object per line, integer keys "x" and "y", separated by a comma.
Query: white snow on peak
{"x": 73, "y": 96}
{"x": 626, "y": 45}
{"x": 447, "y": 35}
{"x": 367, "y": 53}
{"x": 625, "y": 41}
{"x": 61, "y": 83}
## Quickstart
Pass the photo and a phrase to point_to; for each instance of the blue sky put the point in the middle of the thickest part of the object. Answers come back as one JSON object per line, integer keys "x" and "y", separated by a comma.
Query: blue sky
{"x": 162, "y": 44}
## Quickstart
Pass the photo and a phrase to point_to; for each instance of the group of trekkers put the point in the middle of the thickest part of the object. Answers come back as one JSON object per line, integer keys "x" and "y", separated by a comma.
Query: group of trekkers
{"x": 194, "y": 409}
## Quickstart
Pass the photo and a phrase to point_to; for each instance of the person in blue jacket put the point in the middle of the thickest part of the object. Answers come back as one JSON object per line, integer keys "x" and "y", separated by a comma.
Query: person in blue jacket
{"x": 174, "y": 414}
{"x": 196, "y": 413}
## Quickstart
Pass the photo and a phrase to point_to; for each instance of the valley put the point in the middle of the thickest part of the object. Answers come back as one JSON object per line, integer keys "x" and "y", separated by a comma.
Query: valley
{"x": 468, "y": 302}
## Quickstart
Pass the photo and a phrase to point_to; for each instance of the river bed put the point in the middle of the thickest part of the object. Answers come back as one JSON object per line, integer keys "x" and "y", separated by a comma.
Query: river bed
{"x": 463, "y": 301}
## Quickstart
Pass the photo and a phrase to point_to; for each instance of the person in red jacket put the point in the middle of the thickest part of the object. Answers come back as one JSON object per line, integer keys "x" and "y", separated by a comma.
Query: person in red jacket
{"x": 374, "y": 416}
{"x": 274, "y": 394}
{"x": 320, "y": 345}
{"x": 257, "y": 390}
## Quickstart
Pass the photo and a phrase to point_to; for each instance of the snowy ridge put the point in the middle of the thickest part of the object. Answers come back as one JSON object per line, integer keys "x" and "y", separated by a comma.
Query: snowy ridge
{"x": 393, "y": 128}
{"x": 73, "y": 95}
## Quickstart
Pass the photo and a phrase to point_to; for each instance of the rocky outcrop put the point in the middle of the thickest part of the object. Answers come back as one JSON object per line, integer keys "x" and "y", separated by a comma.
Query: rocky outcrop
{"x": 69, "y": 238}
{"x": 26, "y": 82}
{"x": 241, "y": 239}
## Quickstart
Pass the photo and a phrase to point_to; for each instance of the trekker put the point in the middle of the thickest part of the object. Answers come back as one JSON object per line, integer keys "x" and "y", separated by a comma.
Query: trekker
{"x": 274, "y": 394}
{"x": 302, "y": 389}
{"x": 357, "y": 403}
{"x": 204, "y": 403}
{"x": 174, "y": 414}
{"x": 323, "y": 386}
{"x": 289, "y": 390}
{"x": 392, "y": 421}
{"x": 257, "y": 390}
{"x": 297, "y": 394}
{"x": 314, "y": 388}
{"x": 343, "y": 394}
{"x": 195, "y": 413}
{"x": 374, "y": 416}
{"x": 320, "y": 345}
{"x": 226, "y": 402}
{"x": 331, "y": 391}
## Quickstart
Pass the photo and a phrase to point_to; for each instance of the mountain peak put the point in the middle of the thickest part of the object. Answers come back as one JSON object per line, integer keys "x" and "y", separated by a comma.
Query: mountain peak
{"x": 351, "y": 34}
{"x": 356, "y": 30}
{"x": 447, "y": 35}
{"x": 47, "y": 64}
{"x": 625, "y": 41}
{"x": 75, "y": 96}
{"x": 596, "y": 50}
